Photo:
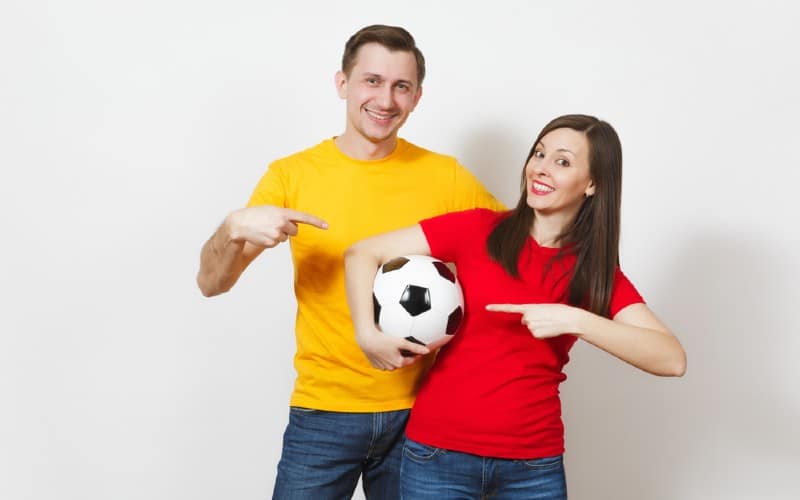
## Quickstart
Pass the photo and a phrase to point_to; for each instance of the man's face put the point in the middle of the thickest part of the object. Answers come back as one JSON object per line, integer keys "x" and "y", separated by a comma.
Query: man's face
{"x": 381, "y": 91}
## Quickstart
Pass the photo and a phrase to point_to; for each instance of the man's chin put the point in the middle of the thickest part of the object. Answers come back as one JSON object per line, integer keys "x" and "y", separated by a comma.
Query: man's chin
{"x": 379, "y": 138}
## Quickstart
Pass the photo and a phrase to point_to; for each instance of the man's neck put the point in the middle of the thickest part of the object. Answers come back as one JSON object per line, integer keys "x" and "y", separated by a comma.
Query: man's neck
{"x": 357, "y": 147}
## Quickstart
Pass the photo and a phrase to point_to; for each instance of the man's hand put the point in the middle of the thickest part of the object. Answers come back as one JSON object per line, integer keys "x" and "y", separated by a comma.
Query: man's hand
{"x": 545, "y": 320}
{"x": 387, "y": 353}
{"x": 267, "y": 226}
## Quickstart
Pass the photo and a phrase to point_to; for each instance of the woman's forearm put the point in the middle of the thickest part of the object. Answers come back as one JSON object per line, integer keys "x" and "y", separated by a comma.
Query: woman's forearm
{"x": 637, "y": 337}
{"x": 360, "y": 268}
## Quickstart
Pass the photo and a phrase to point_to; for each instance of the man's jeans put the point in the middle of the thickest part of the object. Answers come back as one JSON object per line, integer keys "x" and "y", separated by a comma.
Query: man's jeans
{"x": 429, "y": 473}
{"x": 324, "y": 454}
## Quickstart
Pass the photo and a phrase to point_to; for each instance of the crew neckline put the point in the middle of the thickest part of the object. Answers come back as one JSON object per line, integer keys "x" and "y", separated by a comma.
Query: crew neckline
{"x": 566, "y": 249}
{"x": 398, "y": 149}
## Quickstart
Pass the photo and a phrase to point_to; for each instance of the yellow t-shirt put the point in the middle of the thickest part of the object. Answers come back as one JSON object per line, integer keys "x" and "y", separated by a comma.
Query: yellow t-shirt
{"x": 358, "y": 199}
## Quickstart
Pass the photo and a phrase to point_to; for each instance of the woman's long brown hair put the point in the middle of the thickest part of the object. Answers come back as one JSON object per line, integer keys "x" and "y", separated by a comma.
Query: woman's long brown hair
{"x": 593, "y": 236}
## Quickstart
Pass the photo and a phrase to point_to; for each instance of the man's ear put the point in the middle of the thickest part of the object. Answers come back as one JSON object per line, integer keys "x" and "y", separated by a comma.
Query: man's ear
{"x": 417, "y": 98}
{"x": 340, "y": 80}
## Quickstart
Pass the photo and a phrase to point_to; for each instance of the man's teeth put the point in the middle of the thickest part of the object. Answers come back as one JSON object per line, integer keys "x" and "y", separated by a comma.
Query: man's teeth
{"x": 378, "y": 115}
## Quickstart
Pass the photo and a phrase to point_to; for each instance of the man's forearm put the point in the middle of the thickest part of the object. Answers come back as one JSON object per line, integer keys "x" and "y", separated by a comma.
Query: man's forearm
{"x": 221, "y": 262}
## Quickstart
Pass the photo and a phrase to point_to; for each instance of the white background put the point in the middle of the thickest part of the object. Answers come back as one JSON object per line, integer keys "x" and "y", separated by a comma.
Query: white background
{"x": 128, "y": 130}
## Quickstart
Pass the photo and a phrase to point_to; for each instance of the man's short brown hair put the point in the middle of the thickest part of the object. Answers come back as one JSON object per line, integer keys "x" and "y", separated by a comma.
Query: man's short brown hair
{"x": 393, "y": 38}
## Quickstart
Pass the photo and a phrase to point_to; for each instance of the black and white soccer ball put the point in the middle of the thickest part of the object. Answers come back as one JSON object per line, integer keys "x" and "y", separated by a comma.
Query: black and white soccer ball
{"x": 418, "y": 298}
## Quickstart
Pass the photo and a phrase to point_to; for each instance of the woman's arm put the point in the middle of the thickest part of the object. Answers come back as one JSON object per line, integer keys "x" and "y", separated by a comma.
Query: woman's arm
{"x": 635, "y": 335}
{"x": 362, "y": 261}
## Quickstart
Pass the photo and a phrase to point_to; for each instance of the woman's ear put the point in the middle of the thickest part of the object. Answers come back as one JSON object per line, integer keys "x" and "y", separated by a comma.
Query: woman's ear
{"x": 589, "y": 190}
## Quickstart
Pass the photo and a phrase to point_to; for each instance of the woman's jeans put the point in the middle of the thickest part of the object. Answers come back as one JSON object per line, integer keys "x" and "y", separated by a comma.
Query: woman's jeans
{"x": 438, "y": 474}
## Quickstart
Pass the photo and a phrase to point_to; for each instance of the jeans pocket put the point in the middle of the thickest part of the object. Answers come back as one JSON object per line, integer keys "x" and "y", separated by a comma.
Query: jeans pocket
{"x": 544, "y": 463}
{"x": 420, "y": 451}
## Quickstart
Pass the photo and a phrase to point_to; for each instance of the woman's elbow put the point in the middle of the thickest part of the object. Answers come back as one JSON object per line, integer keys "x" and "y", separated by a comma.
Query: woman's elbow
{"x": 680, "y": 367}
{"x": 676, "y": 366}
{"x": 361, "y": 250}
{"x": 352, "y": 251}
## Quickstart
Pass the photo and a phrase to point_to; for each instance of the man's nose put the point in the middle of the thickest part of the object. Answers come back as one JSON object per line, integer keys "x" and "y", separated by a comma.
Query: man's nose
{"x": 385, "y": 96}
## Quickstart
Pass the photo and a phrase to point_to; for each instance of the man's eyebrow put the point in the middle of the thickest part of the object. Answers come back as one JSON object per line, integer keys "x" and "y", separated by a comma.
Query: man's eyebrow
{"x": 368, "y": 74}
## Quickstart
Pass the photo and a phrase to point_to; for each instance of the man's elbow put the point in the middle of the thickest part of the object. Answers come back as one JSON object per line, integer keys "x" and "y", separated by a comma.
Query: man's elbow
{"x": 207, "y": 288}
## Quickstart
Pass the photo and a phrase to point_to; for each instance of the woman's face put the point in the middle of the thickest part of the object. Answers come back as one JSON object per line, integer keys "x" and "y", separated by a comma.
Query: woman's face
{"x": 558, "y": 173}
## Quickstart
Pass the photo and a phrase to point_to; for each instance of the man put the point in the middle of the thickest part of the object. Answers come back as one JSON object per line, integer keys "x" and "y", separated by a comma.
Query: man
{"x": 346, "y": 418}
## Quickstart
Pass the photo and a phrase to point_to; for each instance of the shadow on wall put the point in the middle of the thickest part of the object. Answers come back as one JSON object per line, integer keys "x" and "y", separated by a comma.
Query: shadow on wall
{"x": 728, "y": 429}
{"x": 496, "y": 155}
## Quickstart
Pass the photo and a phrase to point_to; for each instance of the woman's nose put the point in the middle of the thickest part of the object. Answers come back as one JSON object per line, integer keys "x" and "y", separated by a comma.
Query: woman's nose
{"x": 537, "y": 168}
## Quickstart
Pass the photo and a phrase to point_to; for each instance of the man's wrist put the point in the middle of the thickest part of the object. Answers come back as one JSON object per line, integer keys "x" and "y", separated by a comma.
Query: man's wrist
{"x": 230, "y": 228}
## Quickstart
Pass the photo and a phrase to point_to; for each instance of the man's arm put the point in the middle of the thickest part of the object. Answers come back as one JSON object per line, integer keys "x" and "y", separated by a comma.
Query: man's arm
{"x": 241, "y": 238}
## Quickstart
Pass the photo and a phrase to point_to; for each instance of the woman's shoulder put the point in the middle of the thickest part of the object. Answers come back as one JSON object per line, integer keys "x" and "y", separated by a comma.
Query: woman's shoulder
{"x": 482, "y": 215}
{"x": 473, "y": 223}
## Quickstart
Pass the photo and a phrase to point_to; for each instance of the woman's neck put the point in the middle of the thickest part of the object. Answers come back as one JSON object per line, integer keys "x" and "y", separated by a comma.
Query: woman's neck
{"x": 548, "y": 227}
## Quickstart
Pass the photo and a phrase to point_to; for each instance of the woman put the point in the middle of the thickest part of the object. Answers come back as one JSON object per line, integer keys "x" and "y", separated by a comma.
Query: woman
{"x": 487, "y": 418}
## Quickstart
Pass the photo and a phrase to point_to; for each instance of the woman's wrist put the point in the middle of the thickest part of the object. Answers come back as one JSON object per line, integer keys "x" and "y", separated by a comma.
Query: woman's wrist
{"x": 583, "y": 322}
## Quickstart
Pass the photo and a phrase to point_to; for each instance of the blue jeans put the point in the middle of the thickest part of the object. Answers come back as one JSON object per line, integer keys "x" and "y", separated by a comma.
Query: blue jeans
{"x": 429, "y": 473}
{"x": 325, "y": 452}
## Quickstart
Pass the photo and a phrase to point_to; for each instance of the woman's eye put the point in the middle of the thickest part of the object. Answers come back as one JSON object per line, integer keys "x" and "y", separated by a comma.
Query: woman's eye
{"x": 562, "y": 162}
{"x": 538, "y": 154}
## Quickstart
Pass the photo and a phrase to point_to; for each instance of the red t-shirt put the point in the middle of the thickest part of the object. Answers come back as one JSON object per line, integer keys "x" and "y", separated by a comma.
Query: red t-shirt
{"x": 493, "y": 390}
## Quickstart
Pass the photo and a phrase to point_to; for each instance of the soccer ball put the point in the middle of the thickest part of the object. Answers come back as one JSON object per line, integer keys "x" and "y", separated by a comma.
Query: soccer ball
{"x": 418, "y": 298}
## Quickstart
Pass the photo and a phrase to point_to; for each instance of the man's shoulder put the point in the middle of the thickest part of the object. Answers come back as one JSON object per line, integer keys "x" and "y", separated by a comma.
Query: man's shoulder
{"x": 417, "y": 153}
{"x": 311, "y": 153}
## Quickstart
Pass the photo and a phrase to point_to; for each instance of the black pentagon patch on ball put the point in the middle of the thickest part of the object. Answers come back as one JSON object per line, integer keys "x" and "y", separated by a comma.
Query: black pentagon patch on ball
{"x": 394, "y": 264}
{"x": 445, "y": 271}
{"x": 454, "y": 320}
{"x": 377, "y": 307}
{"x": 416, "y": 300}
{"x": 415, "y": 340}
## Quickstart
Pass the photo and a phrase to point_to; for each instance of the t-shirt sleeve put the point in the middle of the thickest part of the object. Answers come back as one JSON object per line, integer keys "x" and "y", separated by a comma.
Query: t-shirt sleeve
{"x": 624, "y": 294}
{"x": 446, "y": 233}
{"x": 470, "y": 193}
{"x": 271, "y": 189}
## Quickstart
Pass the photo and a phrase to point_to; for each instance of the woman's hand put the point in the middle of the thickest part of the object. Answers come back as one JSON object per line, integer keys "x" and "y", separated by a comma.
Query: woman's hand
{"x": 388, "y": 353}
{"x": 635, "y": 335}
{"x": 545, "y": 320}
